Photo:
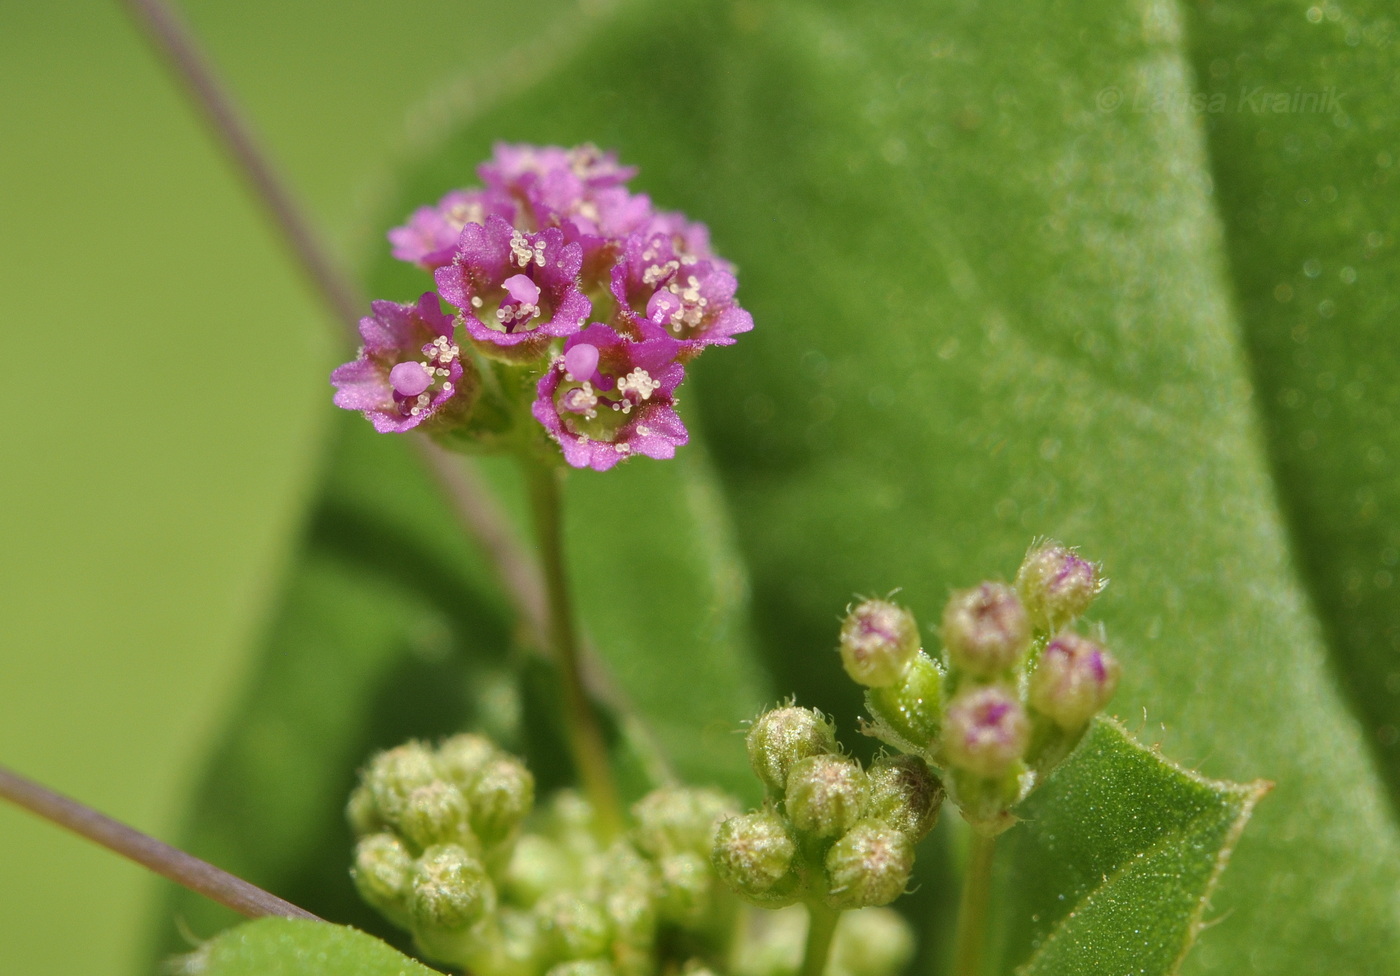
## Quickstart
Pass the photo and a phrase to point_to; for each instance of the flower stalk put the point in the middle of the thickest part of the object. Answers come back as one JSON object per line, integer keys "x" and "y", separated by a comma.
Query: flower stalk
{"x": 585, "y": 734}
{"x": 821, "y": 929}
{"x": 971, "y": 934}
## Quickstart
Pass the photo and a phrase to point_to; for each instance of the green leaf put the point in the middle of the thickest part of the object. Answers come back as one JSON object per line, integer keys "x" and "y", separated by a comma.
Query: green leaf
{"x": 989, "y": 309}
{"x": 293, "y": 947}
{"x": 1113, "y": 869}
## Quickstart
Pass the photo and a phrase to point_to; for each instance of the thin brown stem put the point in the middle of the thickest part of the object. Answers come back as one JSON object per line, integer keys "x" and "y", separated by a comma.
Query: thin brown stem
{"x": 173, "y": 863}
{"x": 585, "y": 733}
{"x": 176, "y": 44}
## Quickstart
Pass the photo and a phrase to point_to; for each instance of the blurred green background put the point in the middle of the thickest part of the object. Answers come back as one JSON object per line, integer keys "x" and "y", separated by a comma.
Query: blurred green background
{"x": 145, "y": 508}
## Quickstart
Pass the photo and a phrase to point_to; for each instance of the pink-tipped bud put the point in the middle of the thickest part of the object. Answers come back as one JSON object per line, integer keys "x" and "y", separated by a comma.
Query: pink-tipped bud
{"x": 985, "y": 629}
{"x": 1074, "y": 678}
{"x": 1057, "y": 584}
{"x": 878, "y": 640}
{"x": 986, "y": 731}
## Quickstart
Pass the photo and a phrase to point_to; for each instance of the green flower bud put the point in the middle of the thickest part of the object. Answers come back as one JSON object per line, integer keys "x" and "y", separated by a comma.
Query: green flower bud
{"x": 878, "y": 640}
{"x": 986, "y": 732}
{"x": 985, "y": 629}
{"x": 674, "y": 819}
{"x": 1073, "y": 678}
{"x": 872, "y": 942}
{"x": 630, "y": 893}
{"x": 538, "y": 866}
{"x": 462, "y": 757}
{"x": 392, "y": 775}
{"x": 784, "y": 736}
{"x": 909, "y": 713}
{"x": 687, "y": 880}
{"x": 436, "y": 814}
{"x": 870, "y": 865}
{"x": 905, "y": 794}
{"x": 500, "y": 797}
{"x": 383, "y": 875}
{"x": 451, "y": 890}
{"x": 583, "y": 967}
{"x": 825, "y": 795}
{"x": 755, "y": 855}
{"x": 1057, "y": 585}
{"x": 363, "y": 813}
{"x": 574, "y": 926}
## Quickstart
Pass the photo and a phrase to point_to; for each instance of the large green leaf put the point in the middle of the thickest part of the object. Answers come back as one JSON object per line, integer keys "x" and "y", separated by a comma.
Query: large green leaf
{"x": 287, "y": 947}
{"x": 989, "y": 308}
{"x": 1113, "y": 869}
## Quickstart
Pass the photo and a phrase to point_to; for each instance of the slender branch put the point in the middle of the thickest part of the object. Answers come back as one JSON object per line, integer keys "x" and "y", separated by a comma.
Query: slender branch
{"x": 173, "y": 863}
{"x": 821, "y": 929}
{"x": 585, "y": 734}
{"x": 972, "y": 911}
{"x": 173, "y": 40}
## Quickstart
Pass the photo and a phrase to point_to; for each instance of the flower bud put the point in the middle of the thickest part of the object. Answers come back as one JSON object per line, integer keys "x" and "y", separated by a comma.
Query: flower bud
{"x": 782, "y": 737}
{"x": 451, "y": 889}
{"x": 630, "y": 887}
{"x": 574, "y": 926}
{"x": 686, "y": 881}
{"x": 500, "y": 797}
{"x": 754, "y": 854}
{"x": 383, "y": 873}
{"x": 1056, "y": 584}
{"x": 363, "y": 813}
{"x": 986, "y": 732}
{"x": 436, "y": 814}
{"x": 825, "y": 795}
{"x": 905, "y": 794}
{"x": 912, "y": 708}
{"x": 872, "y": 942}
{"x": 462, "y": 758}
{"x": 538, "y": 866}
{"x": 1073, "y": 679}
{"x": 392, "y": 775}
{"x": 985, "y": 629}
{"x": 675, "y": 819}
{"x": 870, "y": 865}
{"x": 878, "y": 640}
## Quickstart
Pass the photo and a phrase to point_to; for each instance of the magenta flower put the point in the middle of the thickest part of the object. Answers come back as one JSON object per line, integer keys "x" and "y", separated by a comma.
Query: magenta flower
{"x": 609, "y": 397}
{"x": 691, "y": 298}
{"x": 430, "y": 236}
{"x": 409, "y": 369}
{"x": 581, "y": 191}
{"x": 516, "y": 290}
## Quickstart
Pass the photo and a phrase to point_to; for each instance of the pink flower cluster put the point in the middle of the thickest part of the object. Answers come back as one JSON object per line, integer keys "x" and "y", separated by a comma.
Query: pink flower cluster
{"x": 557, "y": 268}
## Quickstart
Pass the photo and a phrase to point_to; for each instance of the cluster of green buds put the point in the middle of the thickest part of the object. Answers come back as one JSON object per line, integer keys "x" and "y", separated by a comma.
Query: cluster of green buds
{"x": 830, "y": 834}
{"x": 450, "y": 849}
{"x": 1015, "y": 689}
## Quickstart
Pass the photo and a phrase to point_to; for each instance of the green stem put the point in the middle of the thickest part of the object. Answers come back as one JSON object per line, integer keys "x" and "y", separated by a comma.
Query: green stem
{"x": 821, "y": 927}
{"x": 585, "y": 734}
{"x": 972, "y": 911}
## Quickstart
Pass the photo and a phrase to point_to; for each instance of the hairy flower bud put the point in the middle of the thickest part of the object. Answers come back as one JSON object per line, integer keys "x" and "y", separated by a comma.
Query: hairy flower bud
{"x": 500, "y": 797}
{"x": 986, "y": 731}
{"x": 825, "y": 795}
{"x": 869, "y": 865}
{"x": 754, "y": 854}
{"x": 685, "y": 887}
{"x": 573, "y": 925}
{"x": 905, "y": 794}
{"x": 985, "y": 629}
{"x": 1073, "y": 679}
{"x": 463, "y": 757}
{"x": 676, "y": 819}
{"x": 435, "y": 814}
{"x": 630, "y": 893}
{"x": 1056, "y": 584}
{"x": 395, "y": 773}
{"x": 451, "y": 889}
{"x": 912, "y": 708}
{"x": 878, "y": 640}
{"x": 383, "y": 873}
{"x": 783, "y": 737}
{"x": 362, "y": 812}
{"x": 872, "y": 942}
